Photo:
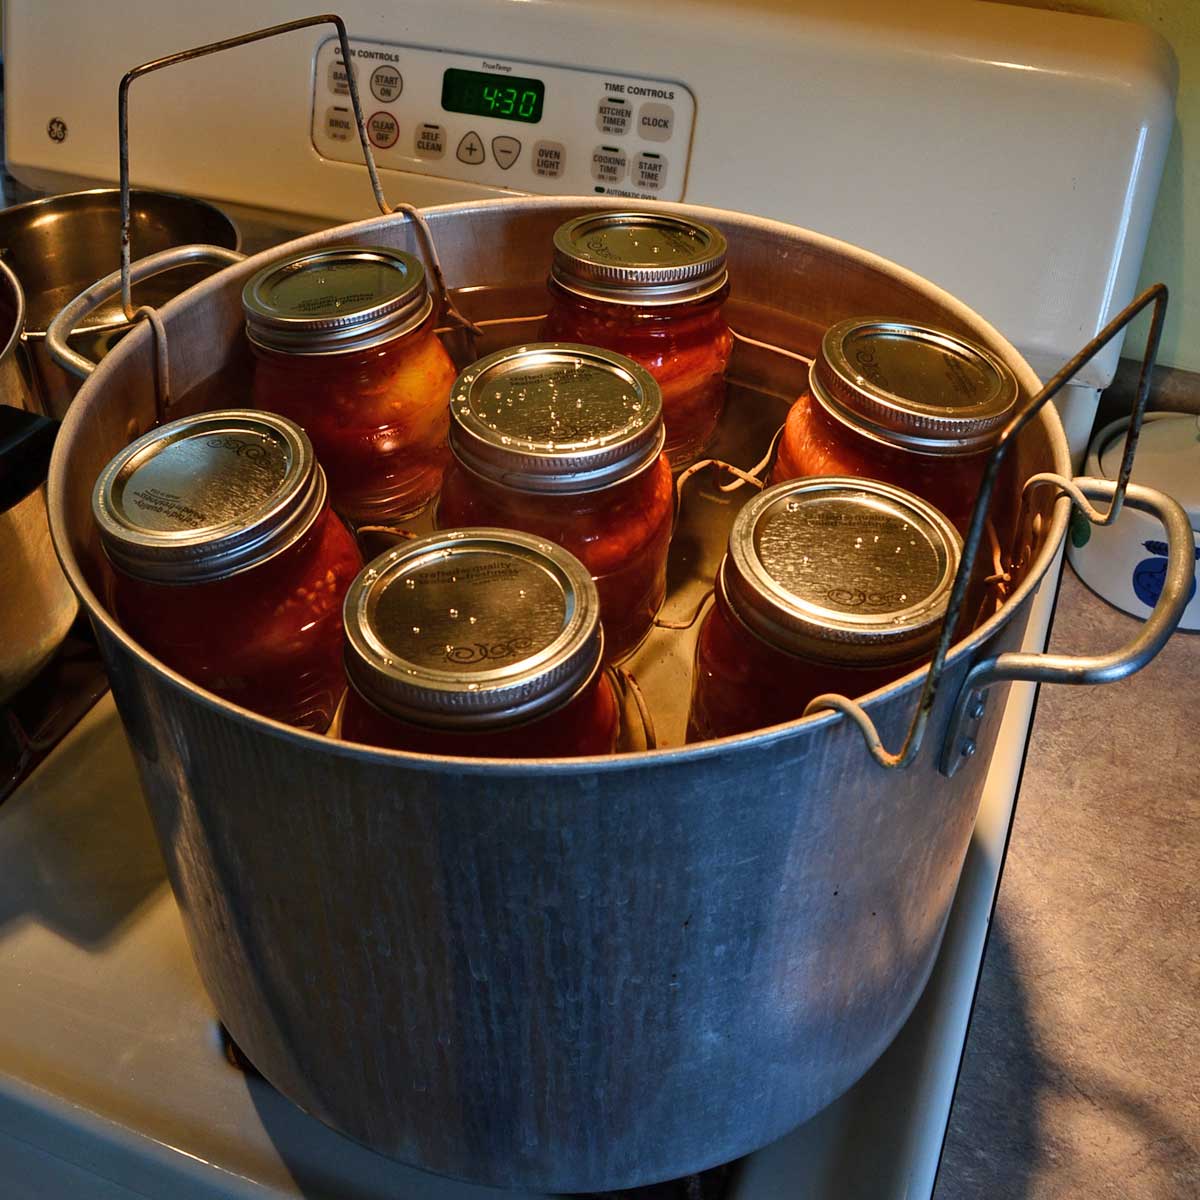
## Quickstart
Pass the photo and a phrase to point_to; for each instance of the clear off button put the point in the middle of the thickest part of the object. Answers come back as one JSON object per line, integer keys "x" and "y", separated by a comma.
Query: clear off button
{"x": 656, "y": 122}
{"x": 608, "y": 164}
{"x": 383, "y": 130}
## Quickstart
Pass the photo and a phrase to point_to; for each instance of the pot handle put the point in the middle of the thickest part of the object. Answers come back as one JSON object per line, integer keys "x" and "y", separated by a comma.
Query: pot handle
{"x": 959, "y": 744}
{"x": 1154, "y": 297}
{"x": 105, "y": 289}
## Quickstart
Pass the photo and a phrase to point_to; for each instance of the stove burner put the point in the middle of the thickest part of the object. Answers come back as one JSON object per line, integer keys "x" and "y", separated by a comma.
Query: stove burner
{"x": 713, "y": 1184}
{"x": 37, "y": 718}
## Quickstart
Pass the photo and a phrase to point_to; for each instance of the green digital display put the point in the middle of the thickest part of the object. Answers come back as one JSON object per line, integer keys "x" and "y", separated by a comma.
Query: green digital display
{"x": 505, "y": 96}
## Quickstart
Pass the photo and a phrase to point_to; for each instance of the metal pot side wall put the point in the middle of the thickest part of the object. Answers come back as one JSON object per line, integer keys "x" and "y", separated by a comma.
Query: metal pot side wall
{"x": 562, "y": 979}
{"x": 555, "y": 976}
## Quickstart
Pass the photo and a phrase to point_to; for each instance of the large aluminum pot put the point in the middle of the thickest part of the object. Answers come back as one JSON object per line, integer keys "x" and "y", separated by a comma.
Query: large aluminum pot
{"x": 562, "y": 975}
{"x": 37, "y": 604}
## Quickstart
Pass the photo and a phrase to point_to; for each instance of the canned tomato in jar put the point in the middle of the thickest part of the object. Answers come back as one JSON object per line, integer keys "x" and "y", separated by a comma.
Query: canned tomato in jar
{"x": 565, "y": 442}
{"x": 478, "y": 642}
{"x": 344, "y": 345}
{"x": 913, "y": 406}
{"x": 228, "y": 563}
{"x": 828, "y": 585}
{"x": 651, "y": 287}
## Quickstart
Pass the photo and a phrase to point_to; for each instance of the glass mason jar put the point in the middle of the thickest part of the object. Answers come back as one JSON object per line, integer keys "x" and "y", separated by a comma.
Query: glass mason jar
{"x": 479, "y": 643}
{"x": 910, "y": 405}
{"x": 651, "y": 287}
{"x": 228, "y": 563}
{"x": 828, "y": 585}
{"x": 565, "y": 442}
{"x": 344, "y": 345}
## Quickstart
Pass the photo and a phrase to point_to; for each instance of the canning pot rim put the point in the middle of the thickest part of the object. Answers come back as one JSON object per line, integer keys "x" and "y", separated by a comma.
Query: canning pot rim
{"x": 636, "y": 760}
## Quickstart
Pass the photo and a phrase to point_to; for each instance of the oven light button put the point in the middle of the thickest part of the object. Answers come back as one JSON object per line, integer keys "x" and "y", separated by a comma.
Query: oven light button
{"x": 549, "y": 159}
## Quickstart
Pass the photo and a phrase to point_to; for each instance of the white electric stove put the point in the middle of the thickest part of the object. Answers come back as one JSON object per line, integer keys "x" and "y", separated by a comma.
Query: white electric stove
{"x": 1010, "y": 155}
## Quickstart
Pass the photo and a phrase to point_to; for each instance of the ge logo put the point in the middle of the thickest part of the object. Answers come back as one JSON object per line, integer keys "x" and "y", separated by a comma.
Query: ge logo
{"x": 57, "y": 129}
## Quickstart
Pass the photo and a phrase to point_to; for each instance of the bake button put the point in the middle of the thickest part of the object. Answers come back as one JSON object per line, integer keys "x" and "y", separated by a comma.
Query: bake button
{"x": 338, "y": 84}
{"x": 608, "y": 164}
{"x": 383, "y": 130}
{"x": 430, "y": 141}
{"x": 613, "y": 115}
{"x": 470, "y": 149}
{"x": 386, "y": 84}
{"x": 549, "y": 159}
{"x": 505, "y": 151}
{"x": 656, "y": 122}
{"x": 650, "y": 171}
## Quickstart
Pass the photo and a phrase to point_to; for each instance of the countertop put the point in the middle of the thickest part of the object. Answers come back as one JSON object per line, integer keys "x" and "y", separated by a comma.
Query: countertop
{"x": 1080, "y": 1077}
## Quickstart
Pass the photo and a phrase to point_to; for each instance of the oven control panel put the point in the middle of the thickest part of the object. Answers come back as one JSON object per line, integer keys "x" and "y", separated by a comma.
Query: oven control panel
{"x": 503, "y": 123}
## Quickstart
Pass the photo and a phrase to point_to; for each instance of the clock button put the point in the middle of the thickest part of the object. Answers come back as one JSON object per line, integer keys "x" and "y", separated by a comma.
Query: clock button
{"x": 505, "y": 151}
{"x": 656, "y": 122}
{"x": 470, "y": 149}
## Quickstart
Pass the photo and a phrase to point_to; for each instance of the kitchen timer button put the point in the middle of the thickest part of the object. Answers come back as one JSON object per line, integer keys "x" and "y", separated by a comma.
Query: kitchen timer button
{"x": 656, "y": 122}
{"x": 549, "y": 159}
{"x": 613, "y": 115}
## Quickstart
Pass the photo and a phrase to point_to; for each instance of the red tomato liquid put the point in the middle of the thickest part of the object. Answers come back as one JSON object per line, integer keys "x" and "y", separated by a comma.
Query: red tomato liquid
{"x": 621, "y": 534}
{"x": 377, "y": 418}
{"x": 586, "y": 725}
{"x": 685, "y": 346}
{"x": 814, "y": 443}
{"x": 740, "y": 683}
{"x": 268, "y": 638}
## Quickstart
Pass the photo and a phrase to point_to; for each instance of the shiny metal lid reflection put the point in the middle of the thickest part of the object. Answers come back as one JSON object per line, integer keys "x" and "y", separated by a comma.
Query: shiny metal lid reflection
{"x": 912, "y": 385}
{"x": 556, "y": 417}
{"x": 208, "y": 496}
{"x": 477, "y": 628}
{"x": 639, "y": 257}
{"x": 845, "y": 570}
{"x": 337, "y": 299}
